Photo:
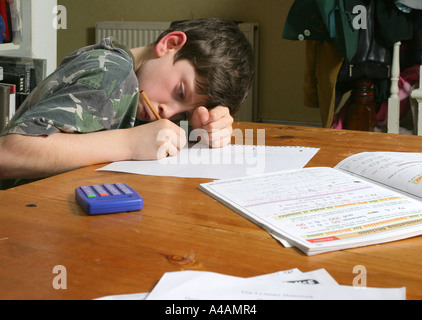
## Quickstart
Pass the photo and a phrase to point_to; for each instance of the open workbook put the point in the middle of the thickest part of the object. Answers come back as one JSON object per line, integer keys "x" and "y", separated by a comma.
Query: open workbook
{"x": 368, "y": 198}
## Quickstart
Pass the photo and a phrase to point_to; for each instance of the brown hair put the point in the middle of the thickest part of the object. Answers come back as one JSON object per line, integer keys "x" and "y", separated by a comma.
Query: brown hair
{"x": 222, "y": 57}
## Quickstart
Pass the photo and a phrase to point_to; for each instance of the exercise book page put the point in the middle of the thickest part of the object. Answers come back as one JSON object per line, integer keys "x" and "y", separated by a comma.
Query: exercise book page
{"x": 399, "y": 170}
{"x": 316, "y": 207}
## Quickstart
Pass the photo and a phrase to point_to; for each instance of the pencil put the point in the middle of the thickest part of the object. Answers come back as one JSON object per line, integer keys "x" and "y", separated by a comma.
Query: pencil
{"x": 143, "y": 94}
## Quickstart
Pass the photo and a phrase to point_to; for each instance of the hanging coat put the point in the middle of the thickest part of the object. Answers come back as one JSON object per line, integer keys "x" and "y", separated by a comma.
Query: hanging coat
{"x": 330, "y": 20}
{"x": 330, "y": 24}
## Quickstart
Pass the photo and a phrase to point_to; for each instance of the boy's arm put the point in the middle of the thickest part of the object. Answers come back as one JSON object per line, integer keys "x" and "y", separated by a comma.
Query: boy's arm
{"x": 32, "y": 157}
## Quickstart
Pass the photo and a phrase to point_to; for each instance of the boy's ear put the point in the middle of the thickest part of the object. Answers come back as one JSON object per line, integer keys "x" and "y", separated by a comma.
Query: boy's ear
{"x": 171, "y": 41}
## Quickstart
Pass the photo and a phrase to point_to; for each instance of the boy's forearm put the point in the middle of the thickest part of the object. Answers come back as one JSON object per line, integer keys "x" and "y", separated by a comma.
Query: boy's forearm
{"x": 32, "y": 157}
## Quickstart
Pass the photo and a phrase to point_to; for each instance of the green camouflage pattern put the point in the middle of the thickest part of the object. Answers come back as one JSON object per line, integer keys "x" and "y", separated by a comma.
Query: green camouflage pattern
{"x": 95, "y": 88}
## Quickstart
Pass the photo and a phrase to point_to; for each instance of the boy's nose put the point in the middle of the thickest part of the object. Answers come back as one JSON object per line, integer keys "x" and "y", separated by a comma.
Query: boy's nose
{"x": 166, "y": 111}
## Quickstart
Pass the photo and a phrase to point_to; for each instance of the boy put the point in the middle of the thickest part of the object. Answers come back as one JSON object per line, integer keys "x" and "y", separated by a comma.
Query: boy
{"x": 85, "y": 112}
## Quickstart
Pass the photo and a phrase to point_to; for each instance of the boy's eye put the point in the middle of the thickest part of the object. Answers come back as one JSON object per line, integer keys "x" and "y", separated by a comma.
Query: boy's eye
{"x": 181, "y": 93}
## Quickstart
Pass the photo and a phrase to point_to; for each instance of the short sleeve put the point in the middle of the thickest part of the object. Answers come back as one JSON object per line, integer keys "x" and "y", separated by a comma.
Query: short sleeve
{"x": 97, "y": 90}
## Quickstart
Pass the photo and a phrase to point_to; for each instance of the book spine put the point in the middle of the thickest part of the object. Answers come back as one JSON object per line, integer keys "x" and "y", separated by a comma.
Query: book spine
{"x": 4, "y": 106}
{"x": 16, "y": 79}
{"x": 12, "y": 99}
{"x": 26, "y": 73}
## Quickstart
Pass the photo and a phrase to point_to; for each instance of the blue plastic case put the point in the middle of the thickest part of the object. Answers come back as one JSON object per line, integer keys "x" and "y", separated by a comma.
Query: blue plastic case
{"x": 108, "y": 198}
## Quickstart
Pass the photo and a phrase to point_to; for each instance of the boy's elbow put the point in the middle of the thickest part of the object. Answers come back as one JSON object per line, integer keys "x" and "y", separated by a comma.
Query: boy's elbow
{"x": 8, "y": 157}
{"x": 4, "y": 158}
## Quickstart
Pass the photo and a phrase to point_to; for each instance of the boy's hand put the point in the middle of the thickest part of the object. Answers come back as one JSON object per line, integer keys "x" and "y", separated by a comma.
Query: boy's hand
{"x": 156, "y": 140}
{"x": 216, "y": 122}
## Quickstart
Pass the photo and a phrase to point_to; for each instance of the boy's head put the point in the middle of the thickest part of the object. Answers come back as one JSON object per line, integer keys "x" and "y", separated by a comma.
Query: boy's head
{"x": 222, "y": 58}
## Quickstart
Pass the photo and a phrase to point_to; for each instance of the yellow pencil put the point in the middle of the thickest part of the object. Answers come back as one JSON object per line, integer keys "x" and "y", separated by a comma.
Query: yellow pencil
{"x": 143, "y": 94}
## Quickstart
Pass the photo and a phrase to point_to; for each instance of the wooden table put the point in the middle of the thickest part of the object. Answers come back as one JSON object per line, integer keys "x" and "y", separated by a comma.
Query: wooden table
{"x": 179, "y": 228}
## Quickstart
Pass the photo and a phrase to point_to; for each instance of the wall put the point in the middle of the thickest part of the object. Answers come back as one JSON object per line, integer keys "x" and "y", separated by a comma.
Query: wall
{"x": 281, "y": 66}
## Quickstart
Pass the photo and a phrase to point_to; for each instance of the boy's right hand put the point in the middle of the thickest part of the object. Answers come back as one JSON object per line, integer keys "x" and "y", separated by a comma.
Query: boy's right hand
{"x": 156, "y": 140}
{"x": 33, "y": 157}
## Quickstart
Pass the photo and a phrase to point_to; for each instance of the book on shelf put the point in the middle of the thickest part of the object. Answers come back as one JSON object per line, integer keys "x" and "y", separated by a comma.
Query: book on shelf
{"x": 7, "y": 103}
{"x": 26, "y": 73}
{"x": 16, "y": 17}
{"x": 4, "y": 106}
{"x": 6, "y": 30}
{"x": 10, "y": 21}
{"x": 20, "y": 76}
{"x": 12, "y": 98}
{"x": 368, "y": 198}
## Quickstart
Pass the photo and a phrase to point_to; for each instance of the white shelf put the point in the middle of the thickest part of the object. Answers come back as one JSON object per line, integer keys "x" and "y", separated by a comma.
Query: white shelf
{"x": 39, "y": 36}
{"x": 9, "y": 46}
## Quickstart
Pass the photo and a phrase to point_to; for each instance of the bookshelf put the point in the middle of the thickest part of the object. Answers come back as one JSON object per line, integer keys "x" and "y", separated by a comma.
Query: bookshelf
{"x": 31, "y": 57}
{"x": 39, "y": 37}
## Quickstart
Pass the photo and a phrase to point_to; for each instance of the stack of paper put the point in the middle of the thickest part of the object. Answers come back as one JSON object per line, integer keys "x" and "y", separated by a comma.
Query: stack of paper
{"x": 368, "y": 198}
{"x": 285, "y": 285}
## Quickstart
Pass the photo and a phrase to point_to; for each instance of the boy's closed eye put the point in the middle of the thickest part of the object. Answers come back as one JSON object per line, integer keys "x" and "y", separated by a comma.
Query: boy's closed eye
{"x": 181, "y": 92}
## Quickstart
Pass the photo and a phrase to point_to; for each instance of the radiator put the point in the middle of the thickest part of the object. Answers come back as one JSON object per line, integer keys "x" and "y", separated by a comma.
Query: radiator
{"x": 135, "y": 34}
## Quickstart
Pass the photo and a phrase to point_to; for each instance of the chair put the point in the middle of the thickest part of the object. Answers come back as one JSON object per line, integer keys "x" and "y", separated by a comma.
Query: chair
{"x": 393, "y": 124}
{"x": 416, "y": 105}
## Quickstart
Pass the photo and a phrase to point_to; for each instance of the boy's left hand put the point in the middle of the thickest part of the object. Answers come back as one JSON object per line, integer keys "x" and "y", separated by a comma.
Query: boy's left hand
{"x": 216, "y": 123}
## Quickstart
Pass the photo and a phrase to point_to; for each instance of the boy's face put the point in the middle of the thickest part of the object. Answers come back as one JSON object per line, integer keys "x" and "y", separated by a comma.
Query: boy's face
{"x": 169, "y": 86}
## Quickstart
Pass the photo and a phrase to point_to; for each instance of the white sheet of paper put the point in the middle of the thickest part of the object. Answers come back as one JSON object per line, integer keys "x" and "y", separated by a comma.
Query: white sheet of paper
{"x": 316, "y": 277}
{"x": 196, "y": 285}
{"x": 231, "y": 161}
{"x": 125, "y": 297}
{"x": 320, "y": 276}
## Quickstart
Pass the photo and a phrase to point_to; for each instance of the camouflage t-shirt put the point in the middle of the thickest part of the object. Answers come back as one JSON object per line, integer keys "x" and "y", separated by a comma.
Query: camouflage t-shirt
{"x": 95, "y": 88}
